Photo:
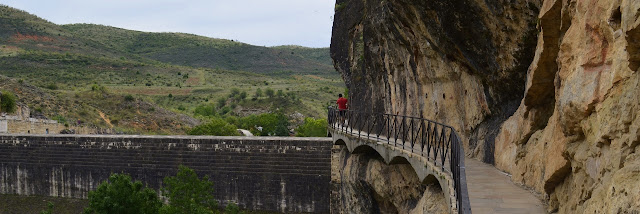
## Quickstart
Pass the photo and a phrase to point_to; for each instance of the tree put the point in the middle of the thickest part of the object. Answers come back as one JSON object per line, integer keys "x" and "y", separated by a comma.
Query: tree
{"x": 206, "y": 110}
{"x": 8, "y": 102}
{"x": 312, "y": 128}
{"x": 273, "y": 124}
{"x": 216, "y": 127}
{"x": 258, "y": 93}
{"x": 188, "y": 194}
{"x": 269, "y": 92}
{"x": 121, "y": 195}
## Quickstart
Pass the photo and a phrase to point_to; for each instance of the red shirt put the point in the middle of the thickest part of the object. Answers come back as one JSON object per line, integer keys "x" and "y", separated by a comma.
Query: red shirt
{"x": 342, "y": 103}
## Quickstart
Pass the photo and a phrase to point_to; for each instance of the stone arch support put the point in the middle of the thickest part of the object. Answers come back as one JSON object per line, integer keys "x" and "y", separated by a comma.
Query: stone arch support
{"x": 426, "y": 170}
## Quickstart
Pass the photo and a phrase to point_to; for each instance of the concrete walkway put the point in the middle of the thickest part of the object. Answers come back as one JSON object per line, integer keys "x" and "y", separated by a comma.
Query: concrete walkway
{"x": 491, "y": 191}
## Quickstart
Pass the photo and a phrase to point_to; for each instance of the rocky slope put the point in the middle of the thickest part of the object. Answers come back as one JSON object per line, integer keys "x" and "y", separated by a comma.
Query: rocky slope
{"x": 575, "y": 135}
{"x": 545, "y": 90}
{"x": 96, "y": 108}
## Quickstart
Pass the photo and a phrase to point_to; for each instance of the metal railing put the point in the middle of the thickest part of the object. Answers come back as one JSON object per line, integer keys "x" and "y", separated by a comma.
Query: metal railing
{"x": 437, "y": 142}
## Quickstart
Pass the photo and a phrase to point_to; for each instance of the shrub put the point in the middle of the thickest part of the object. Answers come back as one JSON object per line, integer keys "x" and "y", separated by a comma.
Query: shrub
{"x": 129, "y": 98}
{"x": 291, "y": 95}
{"x": 225, "y": 110}
{"x": 340, "y": 6}
{"x": 221, "y": 102}
{"x": 232, "y": 209}
{"x": 280, "y": 93}
{"x": 8, "y": 102}
{"x": 269, "y": 92}
{"x": 234, "y": 92}
{"x": 216, "y": 127}
{"x": 312, "y": 128}
{"x": 60, "y": 119}
{"x": 49, "y": 209}
{"x": 187, "y": 193}
{"x": 258, "y": 93}
{"x": 52, "y": 86}
{"x": 98, "y": 88}
{"x": 121, "y": 195}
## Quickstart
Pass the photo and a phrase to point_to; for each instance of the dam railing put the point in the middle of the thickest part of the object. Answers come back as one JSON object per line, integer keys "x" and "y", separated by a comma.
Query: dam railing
{"x": 437, "y": 142}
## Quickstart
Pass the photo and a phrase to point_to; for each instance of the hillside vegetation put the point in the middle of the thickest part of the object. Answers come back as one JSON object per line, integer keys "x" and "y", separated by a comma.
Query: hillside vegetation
{"x": 154, "y": 82}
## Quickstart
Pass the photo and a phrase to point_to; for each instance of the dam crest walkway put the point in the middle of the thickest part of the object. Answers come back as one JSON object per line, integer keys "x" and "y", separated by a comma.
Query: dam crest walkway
{"x": 435, "y": 152}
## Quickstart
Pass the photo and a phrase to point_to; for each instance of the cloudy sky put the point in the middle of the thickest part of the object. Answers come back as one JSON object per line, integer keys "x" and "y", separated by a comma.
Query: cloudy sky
{"x": 258, "y": 22}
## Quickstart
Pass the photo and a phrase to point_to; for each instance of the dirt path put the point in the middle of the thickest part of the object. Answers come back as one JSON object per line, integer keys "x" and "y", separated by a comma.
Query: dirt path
{"x": 105, "y": 118}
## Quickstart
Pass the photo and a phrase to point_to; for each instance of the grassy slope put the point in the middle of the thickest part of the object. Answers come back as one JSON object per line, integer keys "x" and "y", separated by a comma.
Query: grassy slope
{"x": 65, "y": 61}
{"x": 198, "y": 51}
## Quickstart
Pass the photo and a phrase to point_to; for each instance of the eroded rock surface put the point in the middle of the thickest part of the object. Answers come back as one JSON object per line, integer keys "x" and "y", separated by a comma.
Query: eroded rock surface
{"x": 459, "y": 62}
{"x": 547, "y": 91}
{"x": 575, "y": 135}
{"x": 362, "y": 183}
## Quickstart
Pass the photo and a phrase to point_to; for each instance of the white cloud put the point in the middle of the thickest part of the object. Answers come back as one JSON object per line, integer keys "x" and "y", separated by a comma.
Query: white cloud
{"x": 258, "y": 22}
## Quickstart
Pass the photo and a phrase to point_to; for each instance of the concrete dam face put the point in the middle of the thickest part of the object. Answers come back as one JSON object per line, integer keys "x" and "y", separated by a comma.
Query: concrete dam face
{"x": 257, "y": 173}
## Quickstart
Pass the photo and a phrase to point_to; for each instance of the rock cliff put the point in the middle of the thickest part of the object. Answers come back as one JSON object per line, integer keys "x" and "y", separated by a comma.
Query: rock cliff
{"x": 547, "y": 91}
{"x": 460, "y": 62}
{"x": 575, "y": 135}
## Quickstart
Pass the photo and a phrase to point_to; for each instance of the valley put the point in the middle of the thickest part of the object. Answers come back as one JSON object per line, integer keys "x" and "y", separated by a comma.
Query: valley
{"x": 152, "y": 83}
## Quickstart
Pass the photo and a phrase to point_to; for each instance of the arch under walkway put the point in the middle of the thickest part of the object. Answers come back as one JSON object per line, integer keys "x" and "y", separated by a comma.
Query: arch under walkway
{"x": 433, "y": 150}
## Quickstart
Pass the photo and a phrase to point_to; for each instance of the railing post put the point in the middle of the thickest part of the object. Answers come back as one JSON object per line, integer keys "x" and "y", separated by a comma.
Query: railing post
{"x": 395, "y": 138}
{"x": 422, "y": 137}
{"x": 413, "y": 138}
{"x": 358, "y": 120}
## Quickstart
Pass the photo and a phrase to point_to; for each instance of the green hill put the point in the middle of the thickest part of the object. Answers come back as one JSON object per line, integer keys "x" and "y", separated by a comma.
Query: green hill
{"x": 174, "y": 71}
{"x": 198, "y": 51}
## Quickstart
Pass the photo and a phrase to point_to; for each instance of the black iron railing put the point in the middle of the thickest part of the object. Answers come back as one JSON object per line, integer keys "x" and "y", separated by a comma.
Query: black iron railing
{"x": 437, "y": 142}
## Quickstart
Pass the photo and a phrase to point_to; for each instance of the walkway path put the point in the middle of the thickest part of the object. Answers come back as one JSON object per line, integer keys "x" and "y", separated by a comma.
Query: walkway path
{"x": 491, "y": 191}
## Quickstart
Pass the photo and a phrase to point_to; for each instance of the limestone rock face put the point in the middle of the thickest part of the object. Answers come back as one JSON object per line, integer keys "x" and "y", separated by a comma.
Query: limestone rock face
{"x": 575, "y": 134}
{"x": 364, "y": 184}
{"x": 459, "y": 62}
{"x": 548, "y": 91}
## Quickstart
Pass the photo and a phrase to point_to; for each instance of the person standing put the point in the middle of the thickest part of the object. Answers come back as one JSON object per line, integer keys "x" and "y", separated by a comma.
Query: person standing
{"x": 342, "y": 107}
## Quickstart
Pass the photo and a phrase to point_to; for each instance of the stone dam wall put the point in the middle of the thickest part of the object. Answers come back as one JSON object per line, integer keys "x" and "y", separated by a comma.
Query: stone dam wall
{"x": 258, "y": 173}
